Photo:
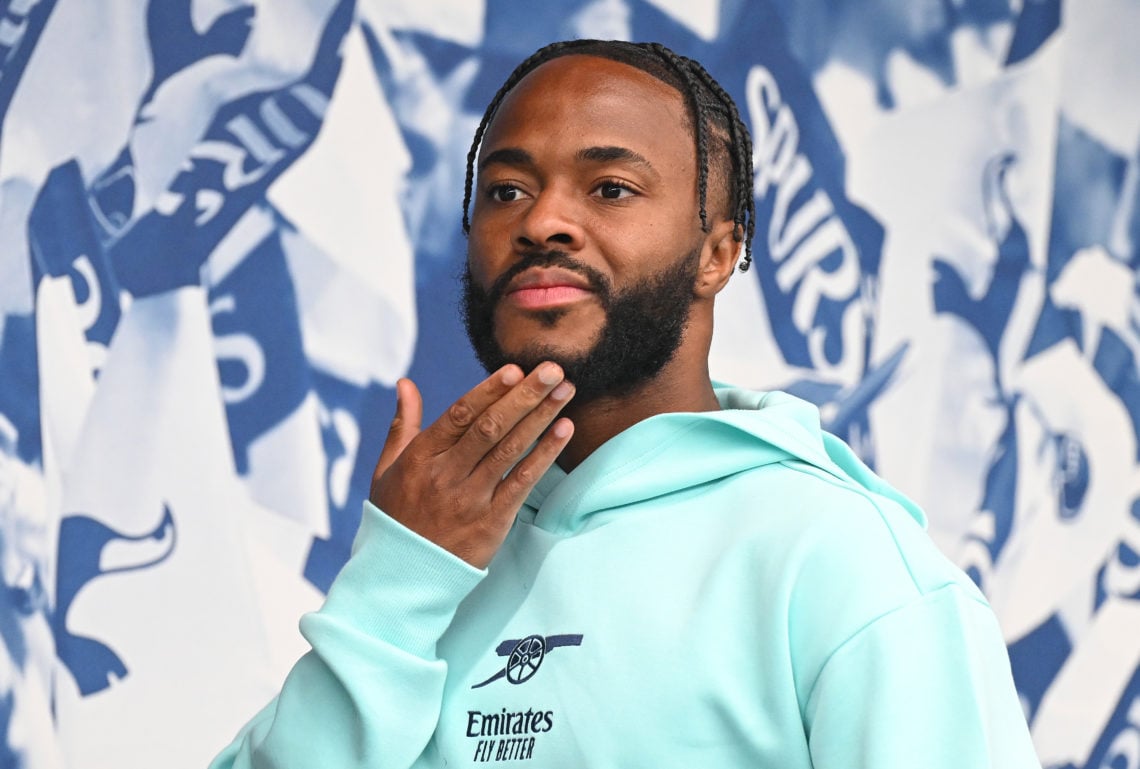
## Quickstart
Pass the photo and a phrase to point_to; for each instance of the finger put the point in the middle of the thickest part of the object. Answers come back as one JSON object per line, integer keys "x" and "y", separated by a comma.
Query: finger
{"x": 457, "y": 420}
{"x": 503, "y": 455}
{"x": 518, "y": 483}
{"x": 405, "y": 425}
{"x": 499, "y": 419}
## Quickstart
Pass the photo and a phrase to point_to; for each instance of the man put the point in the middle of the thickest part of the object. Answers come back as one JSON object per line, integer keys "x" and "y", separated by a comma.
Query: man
{"x": 596, "y": 558}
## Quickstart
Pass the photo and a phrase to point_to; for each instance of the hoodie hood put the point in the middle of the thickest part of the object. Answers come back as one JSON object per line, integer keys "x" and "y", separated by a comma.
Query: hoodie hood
{"x": 673, "y": 452}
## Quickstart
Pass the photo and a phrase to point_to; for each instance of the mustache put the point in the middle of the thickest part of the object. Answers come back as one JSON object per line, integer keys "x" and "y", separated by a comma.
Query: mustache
{"x": 598, "y": 282}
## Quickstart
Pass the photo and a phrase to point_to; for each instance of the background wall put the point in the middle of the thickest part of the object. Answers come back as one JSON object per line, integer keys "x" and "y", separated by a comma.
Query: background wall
{"x": 228, "y": 226}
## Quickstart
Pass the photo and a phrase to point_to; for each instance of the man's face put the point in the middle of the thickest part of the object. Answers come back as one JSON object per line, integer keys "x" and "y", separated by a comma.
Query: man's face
{"x": 585, "y": 236}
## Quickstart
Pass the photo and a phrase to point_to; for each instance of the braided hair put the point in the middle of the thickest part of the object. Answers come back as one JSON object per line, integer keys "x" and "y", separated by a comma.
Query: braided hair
{"x": 709, "y": 107}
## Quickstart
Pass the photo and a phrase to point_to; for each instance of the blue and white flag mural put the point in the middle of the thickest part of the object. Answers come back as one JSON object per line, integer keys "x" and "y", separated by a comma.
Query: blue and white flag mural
{"x": 227, "y": 227}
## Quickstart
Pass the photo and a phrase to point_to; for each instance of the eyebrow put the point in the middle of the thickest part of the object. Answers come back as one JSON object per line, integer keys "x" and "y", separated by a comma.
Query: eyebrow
{"x": 611, "y": 154}
{"x": 515, "y": 156}
{"x": 508, "y": 156}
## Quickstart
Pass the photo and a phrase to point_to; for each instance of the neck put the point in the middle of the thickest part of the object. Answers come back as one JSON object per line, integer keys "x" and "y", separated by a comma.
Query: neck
{"x": 680, "y": 386}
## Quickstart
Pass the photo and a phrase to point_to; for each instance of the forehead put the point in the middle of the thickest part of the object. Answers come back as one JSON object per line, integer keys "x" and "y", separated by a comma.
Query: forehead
{"x": 592, "y": 101}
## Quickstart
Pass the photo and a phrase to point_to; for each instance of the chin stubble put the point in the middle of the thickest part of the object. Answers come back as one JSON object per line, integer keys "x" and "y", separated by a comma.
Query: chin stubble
{"x": 643, "y": 326}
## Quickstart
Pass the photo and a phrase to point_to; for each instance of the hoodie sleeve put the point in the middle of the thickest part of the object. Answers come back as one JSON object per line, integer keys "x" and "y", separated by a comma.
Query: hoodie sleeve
{"x": 927, "y": 684}
{"x": 368, "y": 692}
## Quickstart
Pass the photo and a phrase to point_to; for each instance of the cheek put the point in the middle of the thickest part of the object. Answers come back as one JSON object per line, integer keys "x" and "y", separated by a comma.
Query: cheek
{"x": 479, "y": 272}
{"x": 481, "y": 256}
{"x": 635, "y": 252}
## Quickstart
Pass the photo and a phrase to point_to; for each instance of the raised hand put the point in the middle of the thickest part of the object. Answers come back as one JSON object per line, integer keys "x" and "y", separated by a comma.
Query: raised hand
{"x": 460, "y": 482}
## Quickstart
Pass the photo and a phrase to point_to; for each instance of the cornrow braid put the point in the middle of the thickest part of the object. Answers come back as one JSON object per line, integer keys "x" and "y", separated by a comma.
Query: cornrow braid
{"x": 740, "y": 143}
{"x": 706, "y": 101}
{"x": 700, "y": 124}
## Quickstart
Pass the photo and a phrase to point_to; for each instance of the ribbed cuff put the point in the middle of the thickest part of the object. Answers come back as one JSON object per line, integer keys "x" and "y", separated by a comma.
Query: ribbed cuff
{"x": 399, "y": 586}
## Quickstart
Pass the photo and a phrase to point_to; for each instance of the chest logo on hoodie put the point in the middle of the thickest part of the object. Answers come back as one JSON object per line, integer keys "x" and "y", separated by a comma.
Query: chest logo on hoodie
{"x": 525, "y": 656}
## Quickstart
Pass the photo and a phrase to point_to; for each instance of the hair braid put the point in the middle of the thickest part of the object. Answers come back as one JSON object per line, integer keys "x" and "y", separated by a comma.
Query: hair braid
{"x": 740, "y": 143}
{"x": 682, "y": 65}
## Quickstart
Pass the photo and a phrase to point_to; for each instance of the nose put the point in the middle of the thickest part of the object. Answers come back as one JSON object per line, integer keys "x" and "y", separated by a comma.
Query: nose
{"x": 551, "y": 220}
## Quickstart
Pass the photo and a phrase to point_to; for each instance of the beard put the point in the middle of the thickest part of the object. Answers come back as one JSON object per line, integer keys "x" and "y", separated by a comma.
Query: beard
{"x": 643, "y": 326}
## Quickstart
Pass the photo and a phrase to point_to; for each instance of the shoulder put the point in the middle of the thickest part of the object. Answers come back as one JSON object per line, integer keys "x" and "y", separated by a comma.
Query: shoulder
{"x": 838, "y": 556}
{"x": 829, "y": 527}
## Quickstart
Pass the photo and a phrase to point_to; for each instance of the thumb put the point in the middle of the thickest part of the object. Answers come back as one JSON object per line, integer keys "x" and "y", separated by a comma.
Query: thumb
{"x": 405, "y": 426}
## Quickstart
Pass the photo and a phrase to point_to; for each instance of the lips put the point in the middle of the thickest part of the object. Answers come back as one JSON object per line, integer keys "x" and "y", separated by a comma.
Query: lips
{"x": 545, "y": 288}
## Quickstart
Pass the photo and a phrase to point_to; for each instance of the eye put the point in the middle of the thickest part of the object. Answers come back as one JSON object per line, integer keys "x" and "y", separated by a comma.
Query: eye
{"x": 504, "y": 193}
{"x": 613, "y": 190}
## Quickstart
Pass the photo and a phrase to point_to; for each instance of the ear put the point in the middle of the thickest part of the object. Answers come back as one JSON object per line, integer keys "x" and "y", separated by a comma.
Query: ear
{"x": 719, "y": 255}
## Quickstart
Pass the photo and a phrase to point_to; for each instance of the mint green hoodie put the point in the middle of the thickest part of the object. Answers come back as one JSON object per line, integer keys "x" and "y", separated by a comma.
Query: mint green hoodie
{"x": 724, "y": 589}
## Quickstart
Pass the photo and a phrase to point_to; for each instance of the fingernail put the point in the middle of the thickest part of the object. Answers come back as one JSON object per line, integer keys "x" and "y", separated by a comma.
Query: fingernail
{"x": 562, "y": 391}
{"x": 549, "y": 374}
{"x": 562, "y": 428}
{"x": 512, "y": 376}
